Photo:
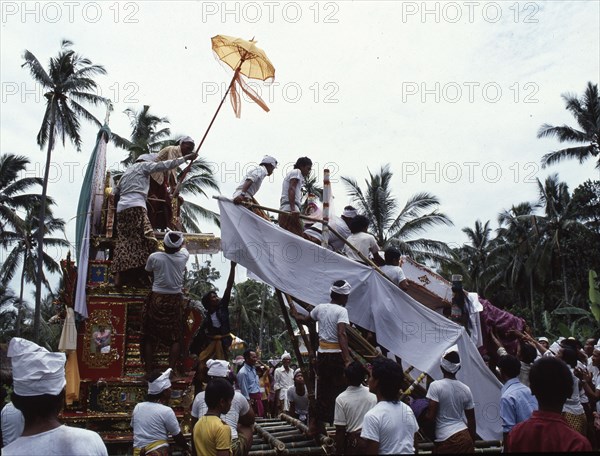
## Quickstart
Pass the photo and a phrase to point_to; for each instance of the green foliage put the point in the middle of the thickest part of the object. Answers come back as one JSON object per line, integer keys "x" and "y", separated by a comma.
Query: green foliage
{"x": 201, "y": 279}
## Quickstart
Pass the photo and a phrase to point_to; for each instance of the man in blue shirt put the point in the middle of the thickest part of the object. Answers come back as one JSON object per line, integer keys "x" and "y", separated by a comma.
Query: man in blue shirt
{"x": 248, "y": 382}
{"x": 516, "y": 401}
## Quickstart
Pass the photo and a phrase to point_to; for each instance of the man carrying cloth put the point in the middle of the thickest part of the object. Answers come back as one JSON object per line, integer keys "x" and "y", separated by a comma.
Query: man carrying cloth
{"x": 333, "y": 354}
{"x": 246, "y": 191}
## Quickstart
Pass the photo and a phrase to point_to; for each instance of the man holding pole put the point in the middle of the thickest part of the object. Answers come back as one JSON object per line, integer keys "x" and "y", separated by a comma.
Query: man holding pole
{"x": 333, "y": 354}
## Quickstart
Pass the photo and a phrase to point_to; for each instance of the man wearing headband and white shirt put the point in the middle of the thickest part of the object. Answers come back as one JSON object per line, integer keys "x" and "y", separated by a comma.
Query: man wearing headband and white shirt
{"x": 254, "y": 179}
{"x": 333, "y": 354}
{"x": 135, "y": 238}
{"x": 163, "y": 312}
{"x": 284, "y": 379}
{"x": 163, "y": 184}
{"x": 450, "y": 401}
{"x": 240, "y": 417}
{"x": 39, "y": 382}
{"x": 152, "y": 421}
{"x": 339, "y": 224}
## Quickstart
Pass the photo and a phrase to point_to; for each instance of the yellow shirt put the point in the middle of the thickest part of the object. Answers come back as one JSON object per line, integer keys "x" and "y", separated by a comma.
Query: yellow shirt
{"x": 211, "y": 434}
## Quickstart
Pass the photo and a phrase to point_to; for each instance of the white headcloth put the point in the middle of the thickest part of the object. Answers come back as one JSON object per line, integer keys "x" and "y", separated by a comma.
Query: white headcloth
{"x": 343, "y": 290}
{"x": 147, "y": 158}
{"x": 36, "y": 371}
{"x": 296, "y": 372}
{"x": 217, "y": 368}
{"x": 268, "y": 160}
{"x": 350, "y": 213}
{"x": 449, "y": 365}
{"x": 285, "y": 355}
{"x": 169, "y": 242}
{"x": 161, "y": 383}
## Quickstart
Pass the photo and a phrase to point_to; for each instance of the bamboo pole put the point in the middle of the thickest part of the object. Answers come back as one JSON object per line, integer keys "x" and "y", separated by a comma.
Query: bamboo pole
{"x": 326, "y": 201}
{"x": 278, "y": 445}
{"x": 324, "y": 440}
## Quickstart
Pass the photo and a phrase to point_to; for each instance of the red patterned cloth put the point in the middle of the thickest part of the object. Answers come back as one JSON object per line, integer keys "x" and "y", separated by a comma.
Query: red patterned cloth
{"x": 502, "y": 321}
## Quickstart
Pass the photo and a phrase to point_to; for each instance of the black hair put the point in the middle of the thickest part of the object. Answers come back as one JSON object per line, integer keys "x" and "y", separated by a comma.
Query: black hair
{"x": 453, "y": 357}
{"x": 389, "y": 377}
{"x": 216, "y": 390}
{"x": 358, "y": 224}
{"x": 392, "y": 254}
{"x": 551, "y": 381}
{"x": 569, "y": 356}
{"x": 355, "y": 373}
{"x": 205, "y": 299}
{"x": 42, "y": 406}
{"x": 302, "y": 161}
{"x": 247, "y": 353}
{"x": 528, "y": 353}
{"x": 569, "y": 343}
{"x": 509, "y": 366}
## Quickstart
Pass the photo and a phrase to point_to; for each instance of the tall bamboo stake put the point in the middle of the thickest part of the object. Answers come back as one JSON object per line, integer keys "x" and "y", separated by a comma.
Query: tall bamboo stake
{"x": 326, "y": 202}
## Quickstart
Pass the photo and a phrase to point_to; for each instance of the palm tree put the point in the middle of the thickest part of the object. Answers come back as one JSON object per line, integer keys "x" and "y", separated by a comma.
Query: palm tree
{"x": 475, "y": 255}
{"x": 8, "y": 316}
{"x": 68, "y": 82}
{"x": 24, "y": 252}
{"x": 587, "y": 114}
{"x": 560, "y": 219}
{"x": 147, "y": 134}
{"x": 198, "y": 180}
{"x": 397, "y": 229}
{"x": 12, "y": 187}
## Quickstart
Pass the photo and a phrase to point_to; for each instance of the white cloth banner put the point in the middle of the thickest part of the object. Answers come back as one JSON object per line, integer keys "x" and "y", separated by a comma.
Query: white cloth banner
{"x": 408, "y": 329}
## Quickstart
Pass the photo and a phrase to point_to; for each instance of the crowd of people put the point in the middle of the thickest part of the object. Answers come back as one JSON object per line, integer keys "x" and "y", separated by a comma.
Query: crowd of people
{"x": 550, "y": 399}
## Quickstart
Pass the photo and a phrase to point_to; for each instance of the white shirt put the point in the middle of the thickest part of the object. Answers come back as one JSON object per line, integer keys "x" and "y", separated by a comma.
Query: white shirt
{"x": 573, "y": 403}
{"x": 284, "y": 204}
{"x": 394, "y": 272}
{"x": 365, "y": 243}
{"x": 168, "y": 270}
{"x": 328, "y": 316}
{"x": 300, "y": 402}
{"x": 454, "y": 398}
{"x": 152, "y": 421}
{"x": 338, "y": 224}
{"x": 351, "y": 407}
{"x": 256, "y": 175}
{"x": 283, "y": 380}
{"x": 239, "y": 407}
{"x": 12, "y": 423}
{"x": 135, "y": 183}
{"x": 393, "y": 426}
{"x": 61, "y": 441}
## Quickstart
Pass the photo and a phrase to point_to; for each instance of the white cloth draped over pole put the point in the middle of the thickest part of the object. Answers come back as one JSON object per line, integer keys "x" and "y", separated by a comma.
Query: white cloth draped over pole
{"x": 408, "y": 329}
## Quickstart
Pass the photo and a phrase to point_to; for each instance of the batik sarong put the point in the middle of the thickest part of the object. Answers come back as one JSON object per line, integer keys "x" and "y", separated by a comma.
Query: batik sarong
{"x": 458, "y": 443}
{"x": 162, "y": 318}
{"x": 135, "y": 240}
{"x": 577, "y": 422}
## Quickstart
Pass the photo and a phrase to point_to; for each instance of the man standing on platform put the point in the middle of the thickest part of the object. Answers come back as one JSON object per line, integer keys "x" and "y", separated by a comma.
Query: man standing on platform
{"x": 163, "y": 312}
{"x": 333, "y": 354}
{"x": 284, "y": 379}
{"x": 248, "y": 382}
{"x": 254, "y": 179}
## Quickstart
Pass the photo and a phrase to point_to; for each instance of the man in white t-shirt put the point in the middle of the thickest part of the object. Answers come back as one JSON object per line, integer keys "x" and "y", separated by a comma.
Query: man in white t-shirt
{"x": 163, "y": 312}
{"x": 298, "y": 398}
{"x": 362, "y": 241}
{"x": 152, "y": 421}
{"x": 39, "y": 393}
{"x": 392, "y": 268}
{"x": 240, "y": 416}
{"x": 350, "y": 409}
{"x": 284, "y": 379}
{"x": 333, "y": 354}
{"x": 450, "y": 402}
{"x": 291, "y": 196}
{"x": 254, "y": 179}
{"x": 340, "y": 224}
{"x": 390, "y": 426}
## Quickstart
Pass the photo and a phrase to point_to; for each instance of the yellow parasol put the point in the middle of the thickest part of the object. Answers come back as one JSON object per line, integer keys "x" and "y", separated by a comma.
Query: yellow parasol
{"x": 245, "y": 59}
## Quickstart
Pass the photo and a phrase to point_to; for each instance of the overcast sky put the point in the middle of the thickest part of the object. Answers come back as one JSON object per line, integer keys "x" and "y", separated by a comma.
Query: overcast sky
{"x": 450, "y": 94}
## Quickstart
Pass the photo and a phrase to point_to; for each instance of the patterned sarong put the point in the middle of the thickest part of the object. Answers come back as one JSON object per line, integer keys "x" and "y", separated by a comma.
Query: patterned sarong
{"x": 330, "y": 384}
{"x": 291, "y": 224}
{"x": 135, "y": 240}
{"x": 162, "y": 318}
{"x": 458, "y": 443}
{"x": 577, "y": 422}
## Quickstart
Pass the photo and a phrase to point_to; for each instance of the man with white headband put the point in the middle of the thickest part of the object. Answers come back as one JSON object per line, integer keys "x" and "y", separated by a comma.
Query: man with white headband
{"x": 163, "y": 312}
{"x": 162, "y": 211}
{"x": 333, "y": 354}
{"x": 284, "y": 379}
{"x": 39, "y": 382}
{"x": 340, "y": 224}
{"x": 135, "y": 239}
{"x": 254, "y": 179}
{"x": 240, "y": 416}
{"x": 450, "y": 401}
{"x": 153, "y": 421}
